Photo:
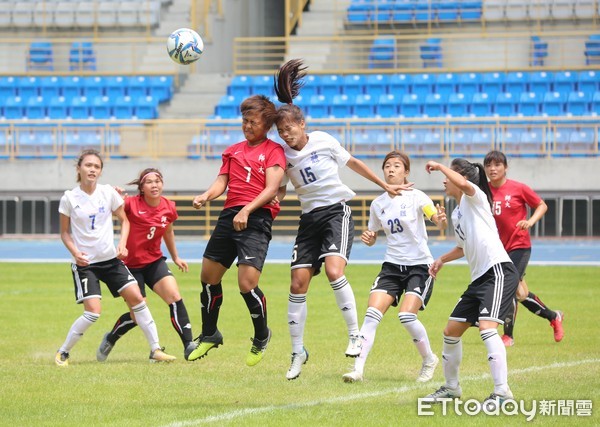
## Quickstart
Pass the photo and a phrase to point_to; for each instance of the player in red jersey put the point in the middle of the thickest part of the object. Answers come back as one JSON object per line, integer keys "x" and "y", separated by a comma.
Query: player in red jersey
{"x": 251, "y": 172}
{"x": 510, "y": 201}
{"x": 151, "y": 217}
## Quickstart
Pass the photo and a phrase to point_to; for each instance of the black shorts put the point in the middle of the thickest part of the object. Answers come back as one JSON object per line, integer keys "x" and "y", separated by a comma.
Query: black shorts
{"x": 112, "y": 272}
{"x": 394, "y": 279}
{"x": 489, "y": 297}
{"x": 520, "y": 258}
{"x": 151, "y": 274}
{"x": 249, "y": 246}
{"x": 323, "y": 232}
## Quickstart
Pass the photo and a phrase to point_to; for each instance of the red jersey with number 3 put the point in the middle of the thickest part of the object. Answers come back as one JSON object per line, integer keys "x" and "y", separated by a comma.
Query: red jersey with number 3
{"x": 246, "y": 168}
{"x": 510, "y": 202}
{"x": 147, "y": 228}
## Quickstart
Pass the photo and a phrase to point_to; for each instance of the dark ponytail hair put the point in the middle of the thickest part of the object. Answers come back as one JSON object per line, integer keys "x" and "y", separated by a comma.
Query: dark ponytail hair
{"x": 287, "y": 83}
{"x": 475, "y": 173}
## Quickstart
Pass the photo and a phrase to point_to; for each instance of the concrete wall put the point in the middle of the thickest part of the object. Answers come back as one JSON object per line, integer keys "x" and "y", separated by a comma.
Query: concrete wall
{"x": 565, "y": 175}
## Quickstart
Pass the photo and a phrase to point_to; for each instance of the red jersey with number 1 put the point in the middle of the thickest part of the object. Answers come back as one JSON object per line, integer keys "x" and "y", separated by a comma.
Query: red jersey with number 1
{"x": 246, "y": 167}
{"x": 147, "y": 228}
{"x": 510, "y": 202}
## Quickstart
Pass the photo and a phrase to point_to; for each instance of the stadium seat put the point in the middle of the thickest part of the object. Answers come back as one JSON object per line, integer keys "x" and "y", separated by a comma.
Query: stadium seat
{"x": 560, "y": 140}
{"x": 40, "y": 57}
{"x": 354, "y": 84}
{"x": 14, "y": 108}
{"x": 383, "y": 52}
{"x": 511, "y": 138}
{"x": 262, "y": 85}
{"x": 35, "y": 108}
{"x": 565, "y": 81}
{"x": 505, "y": 104}
{"x": 435, "y": 105}
{"x": 578, "y": 103}
{"x": 541, "y": 82}
{"x": 123, "y": 107}
{"x": 92, "y": 86}
{"x": 388, "y": 106}
{"x": 49, "y": 87}
{"x": 240, "y": 87}
{"x": 399, "y": 84}
{"x": 311, "y": 86}
{"x": 554, "y": 104}
{"x": 529, "y": 104}
{"x": 43, "y": 14}
{"x": 422, "y": 84}
{"x": 32, "y": 143}
{"x": 331, "y": 85}
{"x": 460, "y": 141}
{"x": 538, "y": 52}
{"x": 79, "y": 108}
{"x": 27, "y": 87}
{"x": 469, "y": 83}
{"x": 458, "y": 105}
{"x": 412, "y": 140}
{"x": 364, "y": 105}
{"x": 588, "y": 81}
{"x": 483, "y": 140}
{"x": 592, "y": 51}
{"x": 342, "y": 105}
{"x": 431, "y": 53}
{"x": 318, "y": 106}
{"x": 448, "y": 10}
{"x": 411, "y": 105}
{"x": 533, "y": 142}
{"x": 481, "y": 105}
{"x": 433, "y": 143}
{"x": 8, "y": 87}
{"x": 584, "y": 140}
{"x": 82, "y": 56}
{"x": 58, "y": 108}
{"x": 70, "y": 87}
{"x": 359, "y": 13}
{"x": 146, "y": 108}
{"x": 403, "y": 13}
{"x": 492, "y": 83}
{"x": 161, "y": 87}
{"x": 446, "y": 83}
{"x": 137, "y": 87}
{"x": 115, "y": 86}
{"x": 424, "y": 12}
{"x": 516, "y": 83}
{"x": 101, "y": 108}
{"x": 596, "y": 104}
{"x": 228, "y": 107}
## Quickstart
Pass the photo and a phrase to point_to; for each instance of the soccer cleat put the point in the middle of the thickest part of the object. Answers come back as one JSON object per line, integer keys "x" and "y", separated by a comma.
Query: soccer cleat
{"x": 444, "y": 392}
{"x": 191, "y": 346}
{"x": 159, "y": 355}
{"x": 354, "y": 346}
{"x": 427, "y": 369}
{"x": 508, "y": 340}
{"x": 105, "y": 348}
{"x": 61, "y": 358}
{"x": 495, "y": 400}
{"x": 352, "y": 377}
{"x": 556, "y": 324}
{"x": 298, "y": 359}
{"x": 205, "y": 343}
{"x": 257, "y": 350}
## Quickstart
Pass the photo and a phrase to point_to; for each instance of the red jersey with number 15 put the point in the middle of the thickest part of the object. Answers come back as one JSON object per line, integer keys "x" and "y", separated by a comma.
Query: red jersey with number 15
{"x": 147, "y": 228}
{"x": 246, "y": 167}
{"x": 510, "y": 202}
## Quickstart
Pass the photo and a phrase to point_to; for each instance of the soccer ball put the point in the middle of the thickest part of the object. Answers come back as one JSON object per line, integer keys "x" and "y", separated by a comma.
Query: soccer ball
{"x": 184, "y": 46}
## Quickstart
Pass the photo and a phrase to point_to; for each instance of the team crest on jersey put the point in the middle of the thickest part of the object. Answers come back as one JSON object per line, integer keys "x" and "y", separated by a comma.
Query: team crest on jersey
{"x": 261, "y": 158}
{"x": 101, "y": 209}
{"x": 163, "y": 221}
{"x": 507, "y": 201}
{"x": 314, "y": 157}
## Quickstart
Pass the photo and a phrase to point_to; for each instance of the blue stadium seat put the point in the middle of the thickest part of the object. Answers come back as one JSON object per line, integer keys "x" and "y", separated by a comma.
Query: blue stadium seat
{"x": 470, "y": 10}
{"x": 435, "y": 105}
{"x": 588, "y": 81}
{"x": 483, "y": 140}
{"x": 49, "y": 87}
{"x": 541, "y": 82}
{"x": 565, "y": 81}
{"x": 532, "y": 142}
{"x": 412, "y": 140}
{"x": 458, "y": 105}
{"x": 146, "y": 108}
{"x": 8, "y": 87}
{"x": 492, "y": 83}
{"x": 516, "y": 83}
{"x": 424, "y": 12}
{"x": 382, "y": 53}
{"x": 79, "y": 108}
{"x": 101, "y": 108}
{"x": 399, "y": 84}
{"x": 431, "y": 53}
{"x": 561, "y": 140}
{"x": 14, "y": 108}
{"x": 123, "y": 107}
{"x": 58, "y": 108}
{"x": 583, "y": 140}
{"x": 377, "y": 84}
{"x": 364, "y": 105}
{"x": 312, "y": 85}
{"x": 434, "y": 143}
{"x": 70, "y": 87}
{"x": 595, "y": 108}
{"x": 506, "y": 104}
{"x": 262, "y": 85}
{"x": 529, "y": 104}
{"x": 578, "y": 103}
{"x": 92, "y": 86}
{"x": 40, "y": 56}
{"x": 35, "y": 108}
{"x": 403, "y": 12}
{"x": 511, "y": 138}
{"x": 388, "y": 106}
{"x": 448, "y": 10}
{"x": 383, "y": 11}
{"x": 423, "y": 84}
{"x": 27, "y": 87}
{"x": 35, "y": 142}
{"x": 239, "y": 87}
{"x": 318, "y": 106}
{"x": 469, "y": 83}
{"x": 342, "y": 105}
{"x": 228, "y": 107}
{"x": 359, "y": 12}
{"x": 137, "y": 86}
{"x": 482, "y": 105}
{"x": 331, "y": 84}
{"x": 354, "y": 84}
{"x": 82, "y": 56}
{"x": 161, "y": 87}
{"x": 554, "y": 104}
{"x": 411, "y": 105}
{"x": 460, "y": 141}
{"x": 446, "y": 83}
{"x": 115, "y": 86}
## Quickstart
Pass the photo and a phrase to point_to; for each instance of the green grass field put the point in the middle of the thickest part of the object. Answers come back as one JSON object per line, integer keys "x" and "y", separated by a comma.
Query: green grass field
{"x": 37, "y": 309}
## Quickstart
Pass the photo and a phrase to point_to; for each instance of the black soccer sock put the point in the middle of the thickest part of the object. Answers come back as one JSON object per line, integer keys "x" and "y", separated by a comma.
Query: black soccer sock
{"x": 211, "y": 299}
{"x": 123, "y": 325}
{"x": 181, "y": 321}
{"x": 257, "y": 306}
{"x": 511, "y": 318}
{"x": 536, "y": 306}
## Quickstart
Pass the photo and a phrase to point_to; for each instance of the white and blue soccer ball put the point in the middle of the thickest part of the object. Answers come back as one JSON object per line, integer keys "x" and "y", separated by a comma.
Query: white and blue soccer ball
{"x": 184, "y": 46}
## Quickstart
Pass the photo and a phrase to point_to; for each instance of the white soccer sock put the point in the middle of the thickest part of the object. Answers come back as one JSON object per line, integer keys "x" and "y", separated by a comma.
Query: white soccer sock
{"x": 144, "y": 319}
{"x": 418, "y": 333}
{"x": 297, "y": 310}
{"x": 451, "y": 358}
{"x": 346, "y": 303}
{"x": 497, "y": 360}
{"x": 367, "y": 331}
{"x": 78, "y": 328}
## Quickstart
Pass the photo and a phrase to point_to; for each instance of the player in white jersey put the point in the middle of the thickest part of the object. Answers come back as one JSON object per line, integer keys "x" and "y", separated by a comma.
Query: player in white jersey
{"x": 405, "y": 267}
{"x": 86, "y": 229}
{"x": 326, "y": 228}
{"x": 494, "y": 278}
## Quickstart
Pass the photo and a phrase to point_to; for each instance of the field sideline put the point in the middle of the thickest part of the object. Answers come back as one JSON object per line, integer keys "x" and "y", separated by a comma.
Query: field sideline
{"x": 38, "y": 308}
